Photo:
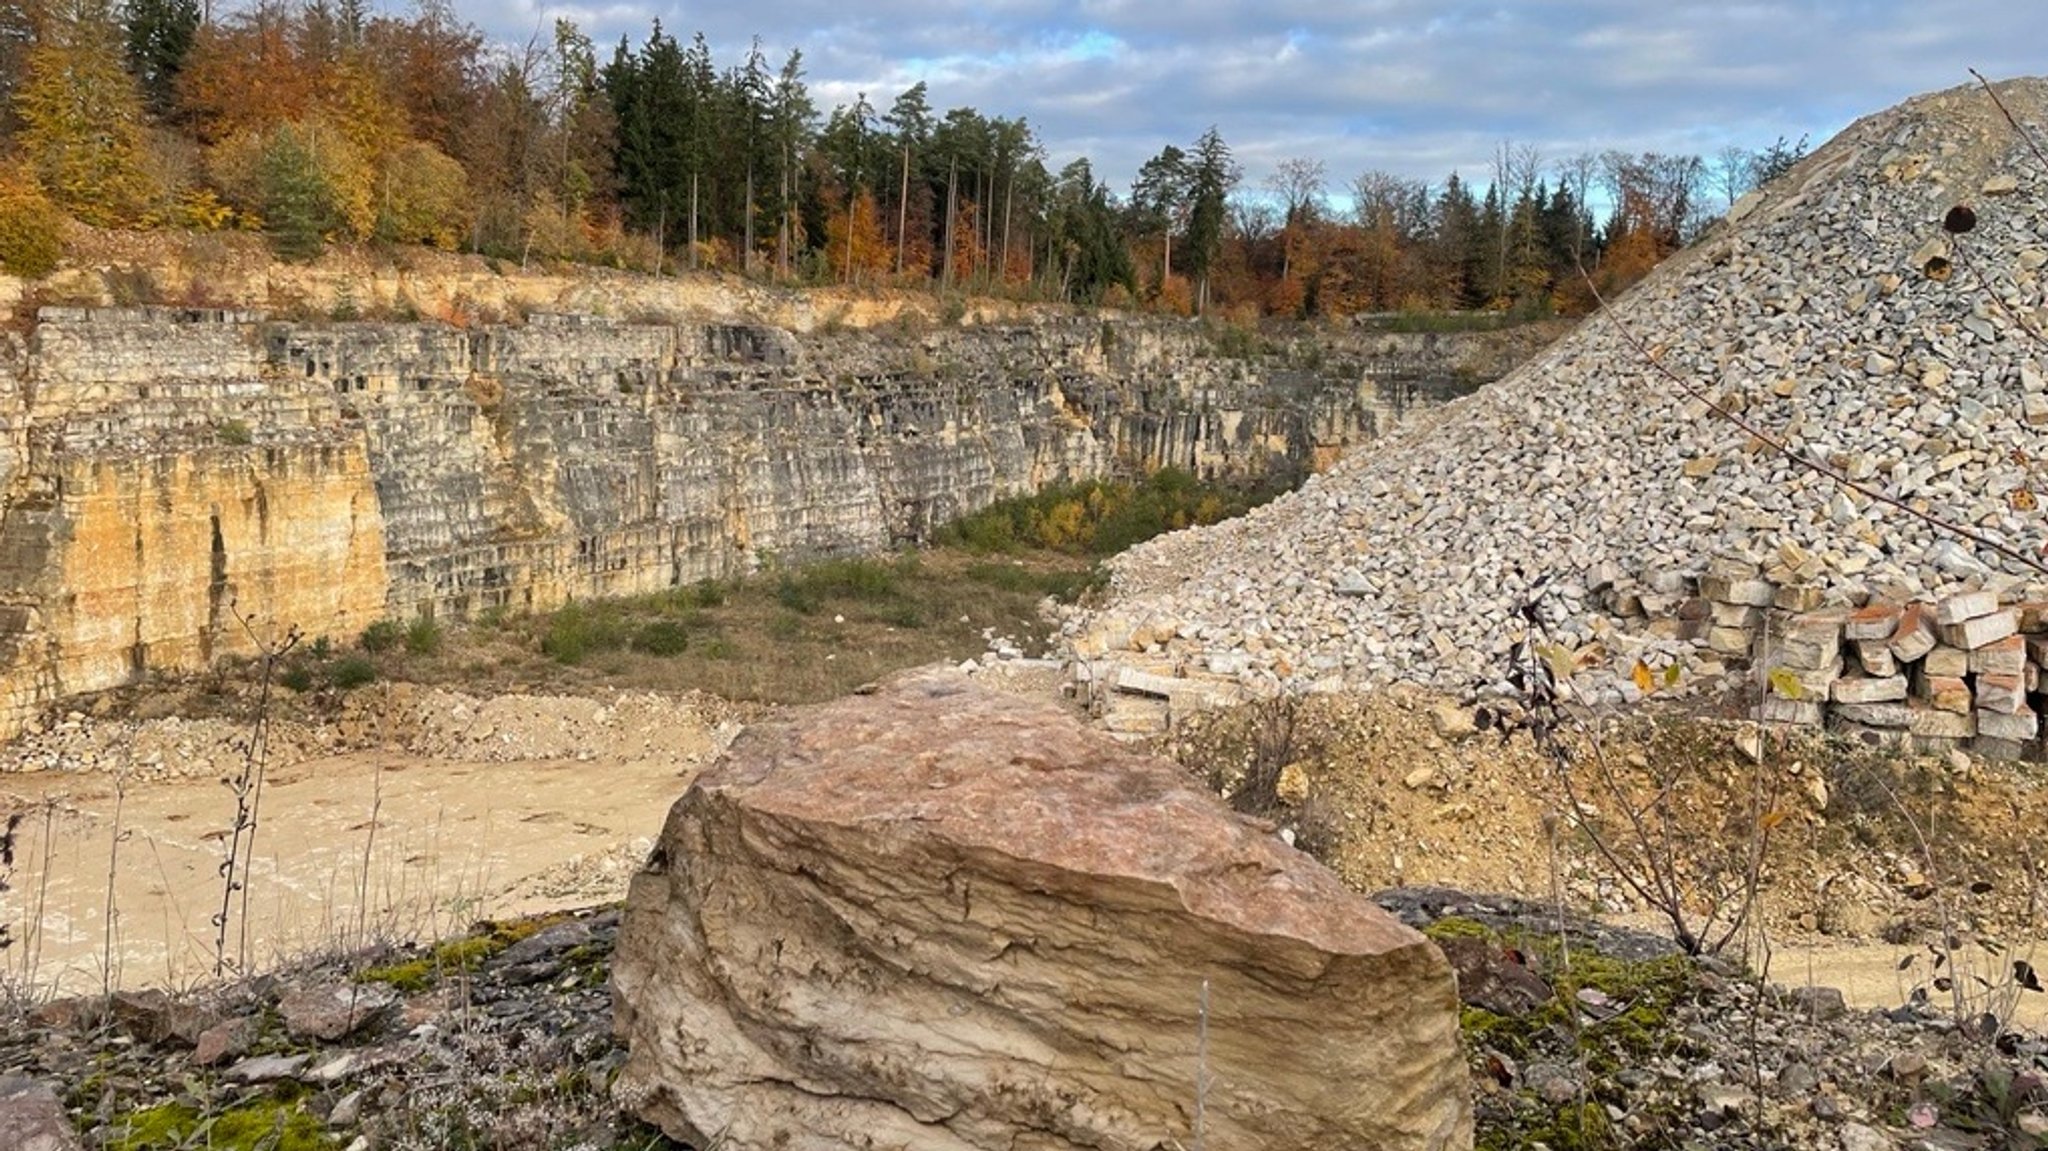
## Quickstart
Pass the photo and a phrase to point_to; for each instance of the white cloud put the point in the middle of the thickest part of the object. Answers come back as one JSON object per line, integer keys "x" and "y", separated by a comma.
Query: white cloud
{"x": 1417, "y": 87}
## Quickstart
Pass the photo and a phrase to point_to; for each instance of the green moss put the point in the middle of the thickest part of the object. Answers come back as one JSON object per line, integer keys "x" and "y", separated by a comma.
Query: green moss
{"x": 1575, "y": 1127}
{"x": 1645, "y": 990}
{"x": 1457, "y": 927}
{"x": 266, "y": 1125}
{"x": 456, "y": 955}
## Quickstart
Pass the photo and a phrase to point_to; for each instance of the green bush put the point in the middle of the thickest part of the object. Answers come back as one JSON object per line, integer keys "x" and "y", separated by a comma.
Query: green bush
{"x": 351, "y": 671}
{"x": 662, "y": 637}
{"x": 383, "y": 635}
{"x": 234, "y": 433}
{"x": 298, "y": 677}
{"x": 423, "y": 637}
{"x": 576, "y": 631}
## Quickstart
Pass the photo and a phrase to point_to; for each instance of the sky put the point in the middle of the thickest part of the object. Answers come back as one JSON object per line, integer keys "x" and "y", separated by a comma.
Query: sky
{"x": 1418, "y": 88}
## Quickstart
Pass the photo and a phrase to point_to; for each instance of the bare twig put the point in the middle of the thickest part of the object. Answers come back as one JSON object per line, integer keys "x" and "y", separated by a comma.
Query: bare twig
{"x": 2032, "y": 144}
{"x": 247, "y": 787}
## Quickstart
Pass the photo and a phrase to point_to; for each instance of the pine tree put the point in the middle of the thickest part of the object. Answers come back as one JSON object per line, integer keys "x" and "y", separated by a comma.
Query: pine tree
{"x": 1213, "y": 174}
{"x": 160, "y": 34}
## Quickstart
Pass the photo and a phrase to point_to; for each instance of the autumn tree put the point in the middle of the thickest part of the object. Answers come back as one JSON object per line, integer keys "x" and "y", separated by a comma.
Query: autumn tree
{"x": 81, "y": 116}
{"x": 854, "y": 244}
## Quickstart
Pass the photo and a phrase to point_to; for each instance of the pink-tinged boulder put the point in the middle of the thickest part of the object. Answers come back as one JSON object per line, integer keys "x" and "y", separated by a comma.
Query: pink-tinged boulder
{"x": 940, "y": 918}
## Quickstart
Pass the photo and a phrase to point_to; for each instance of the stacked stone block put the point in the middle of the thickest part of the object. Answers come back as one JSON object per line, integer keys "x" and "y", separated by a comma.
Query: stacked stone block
{"x": 1961, "y": 670}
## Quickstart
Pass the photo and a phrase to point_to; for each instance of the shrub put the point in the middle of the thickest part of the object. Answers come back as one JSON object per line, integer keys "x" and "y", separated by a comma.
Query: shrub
{"x": 423, "y": 637}
{"x": 382, "y": 636}
{"x": 234, "y": 433}
{"x": 662, "y": 637}
{"x": 31, "y": 228}
{"x": 352, "y": 671}
{"x": 575, "y": 632}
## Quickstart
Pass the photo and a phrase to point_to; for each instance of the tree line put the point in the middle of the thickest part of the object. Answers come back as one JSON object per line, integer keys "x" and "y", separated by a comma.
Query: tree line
{"x": 322, "y": 121}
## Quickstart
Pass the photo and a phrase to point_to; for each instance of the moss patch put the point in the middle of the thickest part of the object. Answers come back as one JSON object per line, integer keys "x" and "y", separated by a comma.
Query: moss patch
{"x": 268, "y": 1125}
{"x": 456, "y": 956}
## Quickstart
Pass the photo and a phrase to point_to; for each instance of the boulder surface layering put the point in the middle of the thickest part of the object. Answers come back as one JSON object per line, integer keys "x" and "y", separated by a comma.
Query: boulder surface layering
{"x": 935, "y": 917}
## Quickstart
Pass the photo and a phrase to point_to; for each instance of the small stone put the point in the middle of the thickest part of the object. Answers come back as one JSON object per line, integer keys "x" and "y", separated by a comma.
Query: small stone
{"x": 1855, "y": 1136}
{"x": 266, "y": 1068}
{"x": 1819, "y": 1004}
{"x": 1418, "y": 779}
{"x": 32, "y": 1117}
{"x": 1293, "y": 784}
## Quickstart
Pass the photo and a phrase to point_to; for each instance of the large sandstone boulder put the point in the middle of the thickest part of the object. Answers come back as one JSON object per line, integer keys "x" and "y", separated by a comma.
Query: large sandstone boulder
{"x": 939, "y": 918}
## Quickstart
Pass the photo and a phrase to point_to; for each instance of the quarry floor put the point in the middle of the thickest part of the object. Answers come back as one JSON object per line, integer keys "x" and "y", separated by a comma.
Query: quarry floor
{"x": 373, "y": 846}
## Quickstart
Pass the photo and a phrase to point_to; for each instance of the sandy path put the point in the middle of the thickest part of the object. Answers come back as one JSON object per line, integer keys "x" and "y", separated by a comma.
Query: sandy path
{"x": 350, "y": 848}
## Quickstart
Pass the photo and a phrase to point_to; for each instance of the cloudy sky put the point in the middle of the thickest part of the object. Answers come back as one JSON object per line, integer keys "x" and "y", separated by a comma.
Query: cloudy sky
{"x": 1414, "y": 87}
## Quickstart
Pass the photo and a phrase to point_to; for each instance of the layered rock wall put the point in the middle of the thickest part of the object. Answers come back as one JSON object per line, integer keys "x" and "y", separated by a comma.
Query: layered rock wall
{"x": 185, "y": 483}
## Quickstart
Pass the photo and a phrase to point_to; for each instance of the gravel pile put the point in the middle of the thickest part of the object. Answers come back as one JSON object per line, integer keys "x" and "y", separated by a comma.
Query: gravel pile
{"x": 1833, "y": 310}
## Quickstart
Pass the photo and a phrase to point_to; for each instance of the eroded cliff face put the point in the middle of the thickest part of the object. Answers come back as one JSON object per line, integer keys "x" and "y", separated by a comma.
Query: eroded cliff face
{"x": 185, "y": 484}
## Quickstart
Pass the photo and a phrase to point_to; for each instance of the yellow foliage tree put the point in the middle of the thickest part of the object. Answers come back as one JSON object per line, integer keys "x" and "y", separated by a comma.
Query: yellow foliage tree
{"x": 855, "y": 245}
{"x": 81, "y": 117}
{"x": 424, "y": 198}
{"x": 31, "y": 228}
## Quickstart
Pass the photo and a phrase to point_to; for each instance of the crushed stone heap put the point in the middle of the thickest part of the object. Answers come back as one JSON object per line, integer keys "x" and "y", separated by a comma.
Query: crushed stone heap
{"x": 1819, "y": 311}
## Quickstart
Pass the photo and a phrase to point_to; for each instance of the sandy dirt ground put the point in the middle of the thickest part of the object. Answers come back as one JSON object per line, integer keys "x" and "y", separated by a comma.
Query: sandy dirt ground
{"x": 351, "y": 849}
{"x": 498, "y": 807}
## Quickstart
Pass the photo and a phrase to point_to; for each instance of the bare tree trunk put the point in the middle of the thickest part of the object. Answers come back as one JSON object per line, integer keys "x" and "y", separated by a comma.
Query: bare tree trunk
{"x": 1009, "y": 201}
{"x": 693, "y": 221}
{"x": 747, "y": 256}
{"x": 952, "y": 195}
{"x": 903, "y": 210}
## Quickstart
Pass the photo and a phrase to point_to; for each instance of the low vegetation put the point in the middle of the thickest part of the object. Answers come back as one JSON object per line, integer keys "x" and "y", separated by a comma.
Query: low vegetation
{"x": 798, "y": 633}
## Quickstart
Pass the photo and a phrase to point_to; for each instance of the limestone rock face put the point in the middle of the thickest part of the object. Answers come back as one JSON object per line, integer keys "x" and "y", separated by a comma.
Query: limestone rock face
{"x": 937, "y": 917}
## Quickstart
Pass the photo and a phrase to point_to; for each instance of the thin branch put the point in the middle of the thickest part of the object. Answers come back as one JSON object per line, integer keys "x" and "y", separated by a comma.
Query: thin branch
{"x": 2032, "y": 144}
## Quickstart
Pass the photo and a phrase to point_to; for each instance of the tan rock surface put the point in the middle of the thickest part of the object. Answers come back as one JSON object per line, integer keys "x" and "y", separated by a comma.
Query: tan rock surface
{"x": 942, "y": 918}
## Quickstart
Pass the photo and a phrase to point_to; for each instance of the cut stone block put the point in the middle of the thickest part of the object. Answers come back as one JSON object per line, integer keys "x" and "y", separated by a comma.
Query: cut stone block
{"x": 1877, "y": 621}
{"x": 1967, "y": 605}
{"x": 2019, "y": 726}
{"x": 1736, "y": 615}
{"x": 1972, "y": 634}
{"x": 1806, "y": 646}
{"x": 1914, "y": 637}
{"x": 2004, "y": 694}
{"x": 1869, "y": 689}
{"x": 1798, "y": 597}
{"x": 1875, "y": 714}
{"x": 2006, "y": 656}
{"x": 1729, "y": 640}
{"x": 1926, "y": 721}
{"x": 2037, "y": 650}
{"x": 1816, "y": 684}
{"x": 1752, "y": 592}
{"x": 1799, "y": 712}
{"x": 2033, "y": 616}
{"x": 1875, "y": 657}
{"x": 1946, "y": 661}
{"x": 1944, "y": 692}
{"x": 2003, "y": 750}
